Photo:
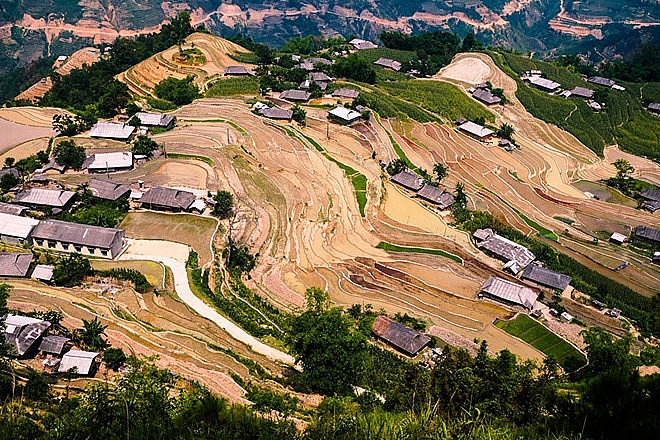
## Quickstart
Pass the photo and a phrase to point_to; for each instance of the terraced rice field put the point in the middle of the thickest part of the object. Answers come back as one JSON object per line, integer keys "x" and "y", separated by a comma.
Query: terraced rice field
{"x": 543, "y": 339}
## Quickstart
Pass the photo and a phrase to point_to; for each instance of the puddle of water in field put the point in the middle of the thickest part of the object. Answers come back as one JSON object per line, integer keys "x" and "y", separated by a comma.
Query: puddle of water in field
{"x": 605, "y": 193}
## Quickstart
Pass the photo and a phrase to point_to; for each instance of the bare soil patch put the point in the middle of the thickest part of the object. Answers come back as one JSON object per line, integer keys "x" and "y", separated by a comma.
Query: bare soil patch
{"x": 14, "y": 134}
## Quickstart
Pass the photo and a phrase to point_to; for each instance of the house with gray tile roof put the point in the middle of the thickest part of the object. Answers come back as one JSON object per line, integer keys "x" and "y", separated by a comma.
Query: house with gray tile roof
{"x": 15, "y": 264}
{"x": 40, "y": 198}
{"x": 89, "y": 240}
{"x": 108, "y": 189}
{"x": 168, "y": 199}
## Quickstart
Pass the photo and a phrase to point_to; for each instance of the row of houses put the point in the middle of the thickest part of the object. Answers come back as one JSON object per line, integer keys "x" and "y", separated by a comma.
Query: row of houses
{"x": 124, "y": 132}
{"x": 411, "y": 181}
{"x": 29, "y": 336}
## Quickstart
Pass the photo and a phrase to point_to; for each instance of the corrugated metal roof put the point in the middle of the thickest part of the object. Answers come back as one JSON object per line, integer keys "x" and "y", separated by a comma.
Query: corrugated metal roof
{"x": 546, "y": 277}
{"x": 108, "y": 189}
{"x": 648, "y": 233}
{"x": 102, "y": 161}
{"x": 437, "y": 196}
{"x": 111, "y": 130}
{"x": 389, "y": 63}
{"x": 56, "y": 198}
{"x": 601, "y": 81}
{"x": 486, "y": 97}
{"x": 475, "y": 129}
{"x": 651, "y": 194}
{"x": 81, "y": 360}
{"x": 403, "y": 338}
{"x": 23, "y": 331}
{"x": 655, "y": 106}
{"x": 582, "y": 92}
{"x": 509, "y": 292}
{"x": 15, "y": 226}
{"x": 14, "y": 264}
{"x": 42, "y": 272}
{"x": 408, "y": 180}
{"x": 74, "y": 233}
{"x": 238, "y": 70}
{"x": 360, "y": 44}
{"x": 618, "y": 237}
{"x": 295, "y": 95}
{"x": 53, "y": 344}
{"x": 483, "y": 234}
{"x": 508, "y": 250}
{"x": 319, "y": 76}
{"x": 543, "y": 83}
{"x": 345, "y": 93}
{"x": 9, "y": 208}
{"x": 12, "y": 171}
{"x": 345, "y": 114}
{"x": 168, "y": 197}
{"x": 276, "y": 113}
{"x": 154, "y": 119}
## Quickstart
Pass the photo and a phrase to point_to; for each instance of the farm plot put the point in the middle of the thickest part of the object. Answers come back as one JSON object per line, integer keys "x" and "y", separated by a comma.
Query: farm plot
{"x": 544, "y": 340}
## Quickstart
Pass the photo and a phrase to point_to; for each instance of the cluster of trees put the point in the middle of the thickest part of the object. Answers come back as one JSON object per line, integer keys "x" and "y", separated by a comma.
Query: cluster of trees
{"x": 69, "y": 155}
{"x": 144, "y": 145}
{"x": 434, "y": 49}
{"x": 93, "y": 91}
{"x": 71, "y": 125}
{"x": 178, "y": 91}
{"x": 91, "y": 210}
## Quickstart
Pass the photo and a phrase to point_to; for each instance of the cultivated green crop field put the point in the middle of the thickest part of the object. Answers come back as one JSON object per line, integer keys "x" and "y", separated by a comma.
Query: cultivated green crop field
{"x": 544, "y": 340}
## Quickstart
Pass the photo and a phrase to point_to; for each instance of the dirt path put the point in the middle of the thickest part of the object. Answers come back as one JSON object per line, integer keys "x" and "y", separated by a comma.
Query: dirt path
{"x": 178, "y": 267}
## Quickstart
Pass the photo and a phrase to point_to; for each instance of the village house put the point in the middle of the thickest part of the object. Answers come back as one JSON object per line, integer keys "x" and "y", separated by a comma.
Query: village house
{"x": 543, "y": 84}
{"x": 651, "y": 199}
{"x": 546, "y": 277}
{"x": 648, "y": 234}
{"x": 318, "y": 77}
{"x": 408, "y": 180}
{"x": 84, "y": 363}
{"x": 617, "y": 238}
{"x": 605, "y": 82}
{"x": 42, "y": 272}
{"x": 88, "y": 240}
{"x": 238, "y": 71}
{"x": 476, "y": 130}
{"x": 12, "y": 171}
{"x": 509, "y": 293}
{"x": 305, "y": 85}
{"x": 517, "y": 257}
{"x": 654, "y": 107}
{"x": 486, "y": 97}
{"x": 11, "y": 209}
{"x": 276, "y": 113}
{"x": 15, "y": 264}
{"x": 438, "y": 197}
{"x": 344, "y": 115}
{"x": 388, "y": 64}
{"x": 360, "y": 44}
{"x": 112, "y": 130}
{"x": 345, "y": 93}
{"x": 23, "y": 333}
{"x": 295, "y": 95}
{"x": 108, "y": 162}
{"x": 108, "y": 189}
{"x": 404, "y": 339}
{"x": 158, "y": 120}
{"x": 41, "y": 198}
{"x": 581, "y": 92}
{"x": 167, "y": 199}
{"x": 54, "y": 345}
{"x": 15, "y": 229}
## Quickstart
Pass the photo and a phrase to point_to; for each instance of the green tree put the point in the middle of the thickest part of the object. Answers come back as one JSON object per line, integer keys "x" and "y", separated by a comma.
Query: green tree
{"x": 356, "y": 68}
{"x": 299, "y": 115}
{"x": 114, "y": 357}
{"x": 623, "y": 179}
{"x": 144, "y": 145}
{"x": 91, "y": 334}
{"x": 506, "y": 131}
{"x": 68, "y": 154}
{"x": 8, "y": 181}
{"x": 327, "y": 345}
{"x": 224, "y": 204}
{"x": 5, "y": 349}
{"x": 67, "y": 125}
{"x": 71, "y": 270}
{"x": 9, "y": 162}
{"x": 396, "y": 166}
{"x": 179, "y": 91}
{"x": 461, "y": 197}
{"x": 440, "y": 171}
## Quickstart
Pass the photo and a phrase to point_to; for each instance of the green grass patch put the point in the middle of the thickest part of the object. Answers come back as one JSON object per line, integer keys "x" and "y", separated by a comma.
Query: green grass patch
{"x": 514, "y": 174}
{"x": 439, "y": 97}
{"x": 245, "y": 57}
{"x": 544, "y": 340}
{"x": 402, "y": 56}
{"x": 396, "y": 248}
{"x": 388, "y": 106}
{"x": 568, "y": 221}
{"x": 208, "y": 160}
{"x": 234, "y": 86}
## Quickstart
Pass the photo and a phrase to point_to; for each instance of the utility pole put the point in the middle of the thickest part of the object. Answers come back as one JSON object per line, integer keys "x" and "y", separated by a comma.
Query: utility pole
{"x": 228, "y": 136}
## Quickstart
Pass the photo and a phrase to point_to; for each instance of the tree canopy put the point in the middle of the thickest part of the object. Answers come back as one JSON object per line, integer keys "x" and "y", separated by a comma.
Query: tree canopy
{"x": 224, "y": 204}
{"x": 179, "y": 91}
{"x": 69, "y": 154}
